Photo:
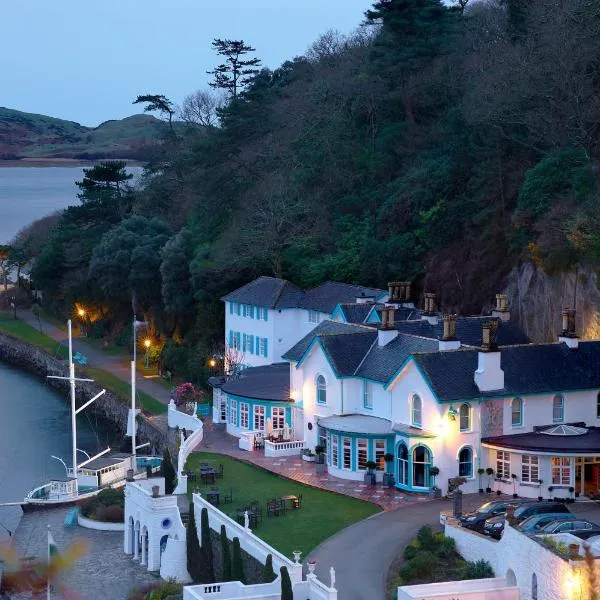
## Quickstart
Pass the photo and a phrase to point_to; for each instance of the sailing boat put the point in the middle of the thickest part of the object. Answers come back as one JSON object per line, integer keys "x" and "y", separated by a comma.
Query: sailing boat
{"x": 86, "y": 479}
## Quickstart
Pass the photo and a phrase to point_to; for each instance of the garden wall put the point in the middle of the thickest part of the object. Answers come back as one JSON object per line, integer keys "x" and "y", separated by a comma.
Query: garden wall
{"x": 176, "y": 418}
{"x": 99, "y": 525}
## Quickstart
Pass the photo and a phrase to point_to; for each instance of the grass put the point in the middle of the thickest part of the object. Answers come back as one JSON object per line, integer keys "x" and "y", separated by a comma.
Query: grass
{"x": 111, "y": 349}
{"x": 27, "y": 333}
{"x": 123, "y": 390}
{"x": 322, "y": 513}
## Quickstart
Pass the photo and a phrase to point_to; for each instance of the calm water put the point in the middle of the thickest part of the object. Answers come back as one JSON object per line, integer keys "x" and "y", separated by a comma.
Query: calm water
{"x": 35, "y": 423}
{"x": 29, "y": 193}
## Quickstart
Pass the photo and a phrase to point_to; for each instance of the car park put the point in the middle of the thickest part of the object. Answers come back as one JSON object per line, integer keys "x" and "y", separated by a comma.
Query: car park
{"x": 475, "y": 520}
{"x": 494, "y": 526}
{"x": 577, "y": 527}
{"x": 534, "y": 523}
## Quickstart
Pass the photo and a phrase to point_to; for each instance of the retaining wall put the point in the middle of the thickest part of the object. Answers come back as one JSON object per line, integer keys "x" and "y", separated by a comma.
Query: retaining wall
{"x": 99, "y": 525}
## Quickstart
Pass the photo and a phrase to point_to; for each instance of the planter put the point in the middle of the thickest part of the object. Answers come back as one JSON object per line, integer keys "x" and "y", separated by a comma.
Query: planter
{"x": 435, "y": 493}
{"x": 308, "y": 458}
{"x": 321, "y": 467}
{"x": 370, "y": 478}
{"x": 389, "y": 480}
{"x": 481, "y": 490}
{"x": 540, "y": 499}
{"x": 515, "y": 495}
{"x": 320, "y": 459}
{"x": 488, "y": 490}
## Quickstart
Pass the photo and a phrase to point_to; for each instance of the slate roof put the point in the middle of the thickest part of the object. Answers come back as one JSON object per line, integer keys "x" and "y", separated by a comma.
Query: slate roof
{"x": 356, "y": 313}
{"x": 403, "y": 313}
{"x": 106, "y": 461}
{"x": 270, "y": 382}
{"x": 273, "y": 292}
{"x": 357, "y": 424}
{"x": 346, "y": 352}
{"x": 528, "y": 369}
{"x": 537, "y": 441}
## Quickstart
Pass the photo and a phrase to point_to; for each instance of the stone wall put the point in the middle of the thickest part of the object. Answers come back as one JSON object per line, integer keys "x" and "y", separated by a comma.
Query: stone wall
{"x": 108, "y": 408}
{"x": 252, "y": 568}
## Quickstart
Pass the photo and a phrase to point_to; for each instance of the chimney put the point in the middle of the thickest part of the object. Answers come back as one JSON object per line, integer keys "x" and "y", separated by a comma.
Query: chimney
{"x": 568, "y": 335}
{"x": 395, "y": 292}
{"x": 489, "y": 375}
{"x": 501, "y": 311}
{"x": 386, "y": 332}
{"x": 364, "y": 298}
{"x": 449, "y": 341}
{"x": 155, "y": 491}
{"x": 429, "y": 313}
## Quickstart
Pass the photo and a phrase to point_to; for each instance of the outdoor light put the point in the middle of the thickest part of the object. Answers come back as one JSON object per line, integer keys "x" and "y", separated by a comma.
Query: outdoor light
{"x": 81, "y": 312}
{"x": 212, "y": 362}
{"x": 452, "y": 413}
{"x": 147, "y": 343}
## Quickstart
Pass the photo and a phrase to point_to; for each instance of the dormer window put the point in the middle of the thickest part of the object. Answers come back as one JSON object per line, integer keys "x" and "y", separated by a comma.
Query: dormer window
{"x": 416, "y": 412}
{"x": 516, "y": 412}
{"x": 313, "y": 316}
{"x": 464, "y": 417}
{"x": 321, "y": 389}
{"x": 558, "y": 408}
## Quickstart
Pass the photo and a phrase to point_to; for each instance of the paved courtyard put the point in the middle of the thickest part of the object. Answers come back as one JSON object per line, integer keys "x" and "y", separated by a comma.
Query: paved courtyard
{"x": 105, "y": 571}
{"x": 216, "y": 439}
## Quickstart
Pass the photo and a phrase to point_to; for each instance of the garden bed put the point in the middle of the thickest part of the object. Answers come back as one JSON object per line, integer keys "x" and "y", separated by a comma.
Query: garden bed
{"x": 106, "y": 511}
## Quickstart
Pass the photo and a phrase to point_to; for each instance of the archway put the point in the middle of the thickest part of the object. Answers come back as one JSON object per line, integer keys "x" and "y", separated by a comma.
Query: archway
{"x": 131, "y": 545}
{"x": 402, "y": 466}
{"x": 421, "y": 459}
{"x": 511, "y": 578}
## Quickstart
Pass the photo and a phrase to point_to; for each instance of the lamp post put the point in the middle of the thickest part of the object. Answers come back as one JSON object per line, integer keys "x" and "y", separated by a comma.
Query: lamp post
{"x": 147, "y": 344}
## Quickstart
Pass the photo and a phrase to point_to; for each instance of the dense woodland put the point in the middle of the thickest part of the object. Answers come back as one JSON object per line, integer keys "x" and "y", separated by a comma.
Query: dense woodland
{"x": 441, "y": 144}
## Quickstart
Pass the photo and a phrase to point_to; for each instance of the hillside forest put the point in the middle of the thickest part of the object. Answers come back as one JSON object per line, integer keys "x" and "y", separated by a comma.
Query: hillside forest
{"x": 439, "y": 143}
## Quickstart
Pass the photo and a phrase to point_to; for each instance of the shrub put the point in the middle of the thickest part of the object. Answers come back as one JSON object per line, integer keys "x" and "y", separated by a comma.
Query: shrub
{"x": 194, "y": 557}
{"x": 268, "y": 574}
{"x": 237, "y": 563}
{"x": 165, "y": 590}
{"x": 110, "y": 514}
{"x": 286, "y": 585}
{"x": 206, "y": 547}
{"x": 168, "y": 472}
{"x": 412, "y": 549}
{"x": 426, "y": 538}
{"x": 447, "y": 547}
{"x": 225, "y": 556}
{"x": 107, "y": 498}
{"x": 477, "y": 570}
{"x": 422, "y": 566}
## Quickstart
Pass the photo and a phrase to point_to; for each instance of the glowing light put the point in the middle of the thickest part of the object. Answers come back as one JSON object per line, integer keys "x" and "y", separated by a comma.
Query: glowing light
{"x": 212, "y": 362}
{"x": 573, "y": 585}
{"x": 81, "y": 312}
{"x": 294, "y": 395}
{"x": 443, "y": 427}
{"x": 147, "y": 343}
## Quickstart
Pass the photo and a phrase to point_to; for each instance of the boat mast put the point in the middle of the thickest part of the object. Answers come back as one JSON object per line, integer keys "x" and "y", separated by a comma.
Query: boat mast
{"x": 133, "y": 392}
{"x": 73, "y": 413}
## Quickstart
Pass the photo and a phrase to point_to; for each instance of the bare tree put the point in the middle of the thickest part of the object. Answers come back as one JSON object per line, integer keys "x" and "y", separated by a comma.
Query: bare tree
{"x": 200, "y": 108}
{"x": 234, "y": 359}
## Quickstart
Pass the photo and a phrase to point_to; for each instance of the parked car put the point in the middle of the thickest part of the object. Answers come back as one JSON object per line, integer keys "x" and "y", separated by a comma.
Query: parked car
{"x": 494, "y": 526}
{"x": 575, "y": 526}
{"x": 475, "y": 520}
{"x": 536, "y": 522}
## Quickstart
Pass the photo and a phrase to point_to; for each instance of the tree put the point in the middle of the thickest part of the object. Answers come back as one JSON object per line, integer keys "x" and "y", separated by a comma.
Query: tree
{"x": 160, "y": 103}
{"x": 5, "y": 265}
{"x": 268, "y": 574}
{"x": 225, "y": 556}
{"x": 206, "y": 548}
{"x": 237, "y": 563}
{"x": 287, "y": 593}
{"x": 194, "y": 555}
{"x": 201, "y": 108}
{"x": 235, "y": 73}
{"x": 168, "y": 472}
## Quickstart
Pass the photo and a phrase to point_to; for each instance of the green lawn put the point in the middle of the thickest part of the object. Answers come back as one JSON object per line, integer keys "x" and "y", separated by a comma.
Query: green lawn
{"x": 123, "y": 390}
{"x": 27, "y": 333}
{"x": 322, "y": 513}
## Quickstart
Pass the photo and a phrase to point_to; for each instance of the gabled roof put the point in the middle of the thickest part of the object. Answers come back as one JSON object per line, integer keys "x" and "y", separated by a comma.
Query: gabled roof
{"x": 270, "y": 382}
{"x": 529, "y": 369}
{"x": 346, "y": 352}
{"x": 353, "y": 312}
{"x": 325, "y": 297}
{"x": 403, "y": 313}
{"x": 267, "y": 291}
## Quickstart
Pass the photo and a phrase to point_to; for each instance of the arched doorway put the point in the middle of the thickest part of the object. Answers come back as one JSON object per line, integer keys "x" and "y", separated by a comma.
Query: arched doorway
{"x": 421, "y": 462}
{"x": 131, "y": 544}
{"x": 511, "y": 578}
{"x": 402, "y": 466}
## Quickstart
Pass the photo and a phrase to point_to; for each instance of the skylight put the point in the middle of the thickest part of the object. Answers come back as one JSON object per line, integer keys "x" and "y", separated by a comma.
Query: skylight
{"x": 565, "y": 430}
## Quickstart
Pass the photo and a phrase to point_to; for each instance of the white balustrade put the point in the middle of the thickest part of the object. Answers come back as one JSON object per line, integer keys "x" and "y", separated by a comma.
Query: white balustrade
{"x": 274, "y": 449}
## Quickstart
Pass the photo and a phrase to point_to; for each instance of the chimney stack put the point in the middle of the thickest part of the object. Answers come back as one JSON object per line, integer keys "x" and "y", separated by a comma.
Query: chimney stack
{"x": 386, "y": 331}
{"x": 501, "y": 311}
{"x": 489, "y": 375}
{"x": 429, "y": 312}
{"x": 449, "y": 340}
{"x": 568, "y": 335}
{"x": 399, "y": 293}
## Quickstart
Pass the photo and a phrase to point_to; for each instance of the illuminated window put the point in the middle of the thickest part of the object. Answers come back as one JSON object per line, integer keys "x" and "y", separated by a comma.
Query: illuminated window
{"x": 465, "y": 417}
{"x": 529, "y": 469}
{"x": 502, "y": 465}
{"x": 361, "y": 453}
{"x": 321, "y": 389}
{"x": 561, "y": 470}
{"x": 516, "y": 412}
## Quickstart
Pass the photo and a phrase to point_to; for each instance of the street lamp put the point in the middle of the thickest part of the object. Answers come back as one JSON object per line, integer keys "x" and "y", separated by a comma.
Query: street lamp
{"x": 147, "y": 343}
{"x": 212, "y": 362}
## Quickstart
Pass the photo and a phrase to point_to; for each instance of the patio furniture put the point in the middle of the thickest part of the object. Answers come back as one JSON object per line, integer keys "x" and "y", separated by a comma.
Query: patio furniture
{"x": 213, "y": 496}
{"x": 220, "y": 472}
{"x": 252, "y": 518}
{"x": 298, "y": 501}
{"x": 228, "y": 498}
{"x": 273, "y": 508}
{"x": 291, "y": 499}
{"x": 208, "y": 476}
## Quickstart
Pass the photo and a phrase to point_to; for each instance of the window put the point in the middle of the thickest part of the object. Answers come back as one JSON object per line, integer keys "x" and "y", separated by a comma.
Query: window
{"x": 361, "y": 453}
{"x": 244, "y": 415}
{"x": 465, "y": 462}
{"x": 313, "y": 316}
{"x": 265, "y": 314}
{"x": 231, "y": 308}
{"x": 558, "y": 408}
{"x": 367, "y": 395}
{"x": 278, "y": 415}
{"x": 516, "y": 412}
{"x": 233, "y": 412}
{"x": 238, "y": 309}
{"x": 464, "y": 417}
{"x": 262, "y": 346}
{"x": 402, "y": 464}
{"x": 248, "y": 343}
{"x": 347, "y": 453}
{"x": 237, "y": 340}
{"x": 416, "y": 411}
{"x": 561, "y": 470}
{"x": 223, "y": 405}
{"x": 334, "y": 450}
{"x": 530, "y": 472}
{"x": 379, "y": 454}
{"x": 248, "y": 311}
{"x": 502, "y": 465}
{"x": 322, "y": 437}
{"x": 259, "y": 418}
{"x": 321, "y": 390}
{"x": 421, "y": 464}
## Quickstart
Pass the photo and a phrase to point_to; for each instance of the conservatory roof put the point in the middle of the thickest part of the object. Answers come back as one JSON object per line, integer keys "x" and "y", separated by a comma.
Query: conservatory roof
{"x": 361, "y": 424}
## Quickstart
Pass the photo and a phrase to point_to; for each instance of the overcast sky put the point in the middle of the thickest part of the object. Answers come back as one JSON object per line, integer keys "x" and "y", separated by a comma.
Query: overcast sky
{"x": 86, "y": 60}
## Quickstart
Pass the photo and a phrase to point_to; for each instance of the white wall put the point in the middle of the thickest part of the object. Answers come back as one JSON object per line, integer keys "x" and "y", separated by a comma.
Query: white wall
{"x": 471, "y": 589}
{"x": 176, "y": 418}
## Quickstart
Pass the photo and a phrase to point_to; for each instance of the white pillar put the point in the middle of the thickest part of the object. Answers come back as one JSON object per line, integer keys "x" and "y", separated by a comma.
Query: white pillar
{"x": 136, "y": 541}
{"x": 144, "y": 548}
{"x": 582, "y": 479}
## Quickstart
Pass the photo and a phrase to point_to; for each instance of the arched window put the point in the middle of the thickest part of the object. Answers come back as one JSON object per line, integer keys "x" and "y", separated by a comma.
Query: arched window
{"x": 516, "y": 412}
{"x": 421, "y": 459}
{"x": 558, "y": 408}
{"x": 464, "y": 417}
{"x": 534, "y": 591}
{"x": 465, "y": 462}
{"x": 402, "y": 464}
{"x": 321, "y": 390}
{"x": 416, "y": 413}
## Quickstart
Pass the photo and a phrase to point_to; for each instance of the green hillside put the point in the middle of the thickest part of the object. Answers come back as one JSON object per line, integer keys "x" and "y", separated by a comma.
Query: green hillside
{"x": 27, "y": 135}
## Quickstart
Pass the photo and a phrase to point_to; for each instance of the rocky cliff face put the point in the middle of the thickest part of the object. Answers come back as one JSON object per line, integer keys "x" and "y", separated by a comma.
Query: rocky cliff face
{"x": 537, "y": 299}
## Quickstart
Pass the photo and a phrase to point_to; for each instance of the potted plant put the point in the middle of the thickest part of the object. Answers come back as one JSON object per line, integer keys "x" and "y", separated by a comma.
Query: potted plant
{"x": 308, "y": 455}
{"x": 480, "y": 473}
{"x": 550, "y": 490}
{"x": 320, "y": 452}
{"x": 514, "y": 478}
{"x": 388, "y": 477}
{"x": 370, "y": 474}
{"x": 435, "y": 491}
{"x": 489, "y": 472}
{"x": 540, "y": 498}
{"x": 571, "y": 490}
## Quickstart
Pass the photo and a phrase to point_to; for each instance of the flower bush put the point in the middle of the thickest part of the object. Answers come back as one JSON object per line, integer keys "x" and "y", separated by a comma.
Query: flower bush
{"x": 185, "y": 393}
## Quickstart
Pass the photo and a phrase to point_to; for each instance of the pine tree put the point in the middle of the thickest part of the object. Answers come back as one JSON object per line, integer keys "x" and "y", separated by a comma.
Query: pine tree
{"x": 168, "y": 472}
{"x": 286, "y": 585}
{"x": 235, "y": 73}
{"x": 194, "y": 555}
{"x": 207, "y": 553}
{"x": 237, "y": 564}
{"x": 225, "y": 556}
{"x": 268, "y": 574}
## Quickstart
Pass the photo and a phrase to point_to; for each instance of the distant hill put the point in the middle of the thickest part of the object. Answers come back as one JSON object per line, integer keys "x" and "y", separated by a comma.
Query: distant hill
{"x": 27, "y": 135}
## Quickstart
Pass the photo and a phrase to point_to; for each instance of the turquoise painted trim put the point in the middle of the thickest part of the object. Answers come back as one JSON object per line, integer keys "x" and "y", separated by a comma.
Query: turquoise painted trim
{"x": 337, "y": 311}
{"x": 353, "y": 458}
{"x": 257, "y": 400}
{"x": 409, "y": 487}
{"x": 307, "y": 352}
{"x": 373, "y": 317}
{"x": 356, "y": 434}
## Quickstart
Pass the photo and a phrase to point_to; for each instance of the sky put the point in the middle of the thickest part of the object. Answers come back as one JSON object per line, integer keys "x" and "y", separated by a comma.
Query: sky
{"x": 87, "y": 60}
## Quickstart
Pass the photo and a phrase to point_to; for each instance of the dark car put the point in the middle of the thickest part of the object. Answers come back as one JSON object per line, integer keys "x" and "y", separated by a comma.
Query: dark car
{"x": 494, "y": 526}
{"x": 534, "y": 523}
{"x": 578, "y": 527}
{"x": 476, "y": 519}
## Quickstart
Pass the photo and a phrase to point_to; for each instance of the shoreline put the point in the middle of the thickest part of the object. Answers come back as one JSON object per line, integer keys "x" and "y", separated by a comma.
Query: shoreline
{"x": 64, "y": 162}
